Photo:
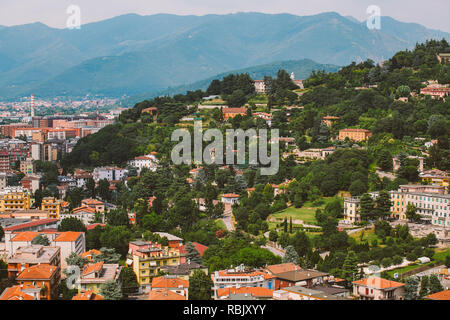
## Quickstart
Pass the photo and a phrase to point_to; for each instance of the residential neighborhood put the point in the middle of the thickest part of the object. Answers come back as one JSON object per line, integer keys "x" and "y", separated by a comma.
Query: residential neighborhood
{"x": 241, "y": 159}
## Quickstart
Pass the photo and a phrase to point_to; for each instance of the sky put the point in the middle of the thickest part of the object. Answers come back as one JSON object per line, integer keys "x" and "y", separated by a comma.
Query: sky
{"x": 432, "y": 13}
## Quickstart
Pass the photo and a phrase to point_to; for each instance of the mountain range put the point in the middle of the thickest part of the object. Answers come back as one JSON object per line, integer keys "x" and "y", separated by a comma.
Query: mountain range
{"x": 134, "y": 54}
{"x": 301, "y": 69}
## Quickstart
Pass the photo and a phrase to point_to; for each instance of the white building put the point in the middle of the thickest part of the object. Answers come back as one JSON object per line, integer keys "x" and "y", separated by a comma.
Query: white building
{"x": 239, "y": 277}
{"x": 83, "y": 213}
{"x": 260, "y": 86}
{"x": 108, "y": 173}
{"x": 81, "y": 177}
{"x": 3, "y": 180}
{"x": 315, "y": 154}
{"x": 433, "y": 207}
{"x": 69, "y": 242}
{"x": 230, "y": 198}
{"x": 148, "y": 161}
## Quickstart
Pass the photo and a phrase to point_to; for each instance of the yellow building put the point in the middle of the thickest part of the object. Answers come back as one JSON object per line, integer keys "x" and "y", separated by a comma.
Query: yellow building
{"x": 51, "y": 205}
{"x": 398, "y": 205}
{"x": 435, "y": 177}
{"x": 351, "y": 209}
{"x": 354, "y": 134}
{"x": 329, "y": 120}
{"x": 13, "y": 199}
{"x": 96, "y": 274}
{"x": 147, "y": 262}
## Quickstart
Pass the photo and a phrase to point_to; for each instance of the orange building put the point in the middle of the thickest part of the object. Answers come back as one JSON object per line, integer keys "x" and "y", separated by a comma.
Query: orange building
{"x": 21, "y": 292}
{"x": 44, "y": 276}
{"x": 329, "y": 120}
{"x": 95, "y": 204}
{"x": 29, "y": 256}
{"x": 174, "y": 241}
{"x": 90, "y": 254}
{"x": 233, "y": 112}
{"x": 171, "y": 283}
{"x": 435, "y": 92}
{"x": 354, "y": 134}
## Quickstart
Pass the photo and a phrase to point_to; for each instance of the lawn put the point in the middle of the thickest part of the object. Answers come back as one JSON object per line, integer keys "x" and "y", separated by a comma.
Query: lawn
{"x": 369, "y": 235}
{"x": 400, "y": 271}
{"x": 441, "y": 254}
{"x": 221, "y": 224}
{"x": 438, "y": 256}
{"x": 306, "y": 213}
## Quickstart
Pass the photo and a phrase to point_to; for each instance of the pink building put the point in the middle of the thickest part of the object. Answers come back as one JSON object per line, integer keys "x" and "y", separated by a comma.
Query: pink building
{"x": 138, "y": 247}
{"x": 375, "y": 288}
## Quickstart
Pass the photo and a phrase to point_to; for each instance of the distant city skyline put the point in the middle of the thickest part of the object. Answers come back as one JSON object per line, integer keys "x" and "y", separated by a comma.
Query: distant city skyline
{"x": 53, "y": 13}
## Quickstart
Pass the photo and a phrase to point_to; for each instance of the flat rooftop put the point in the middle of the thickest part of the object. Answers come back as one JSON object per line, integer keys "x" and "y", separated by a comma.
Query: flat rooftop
{"x": 34, "y": 254}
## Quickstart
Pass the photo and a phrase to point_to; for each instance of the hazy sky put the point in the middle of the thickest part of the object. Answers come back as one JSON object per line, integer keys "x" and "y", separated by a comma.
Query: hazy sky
{"x": 431, "y": 13}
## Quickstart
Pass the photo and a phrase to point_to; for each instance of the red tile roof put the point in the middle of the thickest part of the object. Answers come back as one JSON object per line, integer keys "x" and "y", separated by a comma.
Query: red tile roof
{"x": 92, "y": 226}
{"x": 90, "y": 254}
{"x": 234, "y": 110}
{"x": 443, "y": 295}
{"x": 68, "y": 236}
{"x": 25, "y": 236}
{"x": 224, "y": 273}
{"x": 164, "y": 282}
{"x": 230, "y": 195}
{"x": 91, "y": 201}
{"x": 38, "y": 272}
{"x": 284, "y": 267}
{"x": 84, "y": 209}
{"x": 165, "y": 294}
{"x": 95, "y": 267}
{"x": 354, "y": 130}
{"x": 15, "y": 293}
{"x": 88, "y": 295}
{"x": 30, "y": 224}
{"x": 258, "y": 292}
{"x": 378, "y": 283}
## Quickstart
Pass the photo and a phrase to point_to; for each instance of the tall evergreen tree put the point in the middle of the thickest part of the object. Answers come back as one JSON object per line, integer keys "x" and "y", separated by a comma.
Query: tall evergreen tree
{"x": 434, "y": 284}
{"x": 385, "y": 160}
{"x": 290, "y": 224}
{"x": 424, "y": 287}
{"x": 366, "y": 208}
{"x": 192, "y": 254}
{"x": 200, "y": 286}
{"x": 111, "y": 290}
{"x": 411, "y": 287}
{"x": 41, "y": 239}
{"x": 350, "y": 267}
{"x": 384, "y": 204}
{"x": 291, "y": 256}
